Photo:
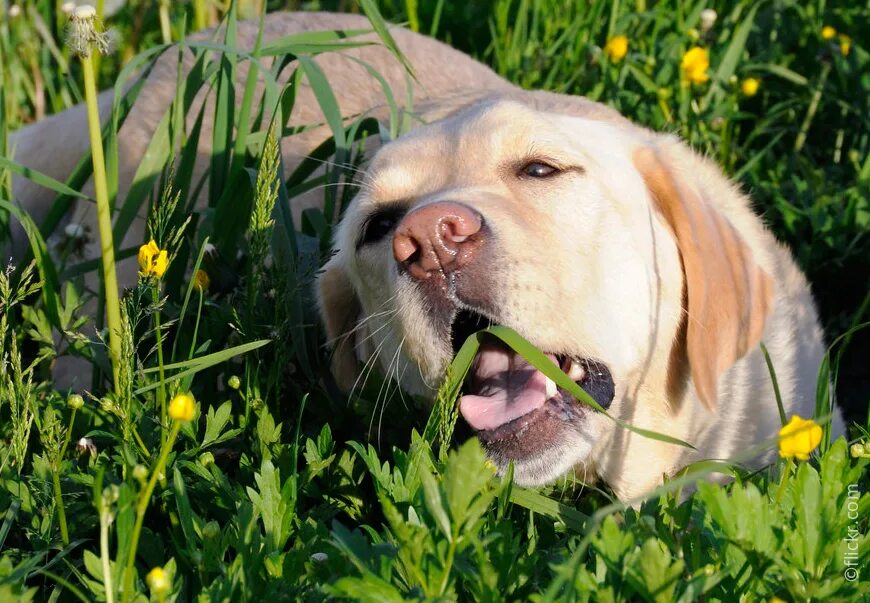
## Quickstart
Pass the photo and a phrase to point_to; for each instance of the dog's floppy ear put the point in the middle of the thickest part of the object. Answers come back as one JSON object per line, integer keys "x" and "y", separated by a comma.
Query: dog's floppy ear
{"x": 339, "y": 308}
{"x": 729, "y": 295}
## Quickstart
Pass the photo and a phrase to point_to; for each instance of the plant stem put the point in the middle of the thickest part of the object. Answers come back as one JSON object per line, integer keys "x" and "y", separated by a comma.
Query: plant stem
{"x": 142, "y": 507}
{"x": 200, "y": 20}
{"x": 196, "y": 326}
{"x": 61, "y": 514}
{"x": 55, "y": 476}
{"x": 161, "y": 391}
{"x": 104, "y": 219}
{"x": 786, "y": 476}
{"x": 811, "y": 110}
{"x": 165, "y": 29}
{"x": 105, "y": 519}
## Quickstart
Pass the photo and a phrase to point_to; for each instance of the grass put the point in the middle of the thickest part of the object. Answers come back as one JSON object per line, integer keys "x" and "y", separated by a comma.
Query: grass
{"x": 274, "y": 487}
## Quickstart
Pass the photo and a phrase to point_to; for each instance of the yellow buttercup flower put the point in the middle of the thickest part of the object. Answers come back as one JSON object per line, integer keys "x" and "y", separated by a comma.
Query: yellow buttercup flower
{"x": 799, "y": 438}
{"x": 153, "y": 261}
{"x": 695, "y": 64}
{"x": 182, "y": 407}
{"x": 749, "y": 86}
{"x": 201, "y": 280}
{"x": 828, "y": 32}
{"x": 845, "y": 45}
{"x": 616, "y": 48}
{"x": 158, "y": 581}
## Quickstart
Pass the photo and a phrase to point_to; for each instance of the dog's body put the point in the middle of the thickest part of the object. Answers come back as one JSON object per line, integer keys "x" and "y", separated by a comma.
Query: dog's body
{"x": 632, "y": 261}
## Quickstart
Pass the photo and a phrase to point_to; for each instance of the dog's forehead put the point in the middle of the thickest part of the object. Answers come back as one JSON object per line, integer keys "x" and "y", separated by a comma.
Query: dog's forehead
{"x": 468, "y": 142}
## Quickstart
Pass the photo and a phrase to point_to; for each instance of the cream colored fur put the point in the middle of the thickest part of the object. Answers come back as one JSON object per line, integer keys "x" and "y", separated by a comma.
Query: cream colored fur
{"x": 588, "y": 263}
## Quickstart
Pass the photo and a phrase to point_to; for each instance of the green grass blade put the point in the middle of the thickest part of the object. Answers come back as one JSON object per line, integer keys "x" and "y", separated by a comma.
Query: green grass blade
{"x": 196, "y": 365}
{"x": 41, "y": 179}
{"x": 381, "y": 28}
{"x": 44, "y": 263}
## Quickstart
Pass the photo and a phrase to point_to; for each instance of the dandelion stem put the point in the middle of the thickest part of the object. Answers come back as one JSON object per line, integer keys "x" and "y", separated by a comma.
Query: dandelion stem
{"x": 142, "y": 507}
{"x": 165, "y": 29}
{"x": 104, "y": 219}
{"x": 161, "y": 391}
{"x": 200, "y": 20}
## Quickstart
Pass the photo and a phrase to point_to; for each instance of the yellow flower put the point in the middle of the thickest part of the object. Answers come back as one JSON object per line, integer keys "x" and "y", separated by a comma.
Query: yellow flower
{"x": 158, "y": 581}
{"x": 828, "y": 32}
{"x": 749, "y": 86}
{"x": 616, "y": 48}
{"x": 695, "y": 64}
{"x": 799, "y": 438}
{"x": 153, "y": 261}
{"x": 182, "y": 407}
{"x": 201, "y": 280}
{"x": 845, "y": 45}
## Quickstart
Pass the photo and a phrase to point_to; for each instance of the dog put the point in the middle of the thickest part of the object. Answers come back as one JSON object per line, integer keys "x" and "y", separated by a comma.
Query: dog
{"x": 633, "y": 262}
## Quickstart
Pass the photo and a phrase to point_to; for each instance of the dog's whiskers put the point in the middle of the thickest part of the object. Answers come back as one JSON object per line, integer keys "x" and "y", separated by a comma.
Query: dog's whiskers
{"x": 367, "y": 369}
{"x": 384, "y": 390}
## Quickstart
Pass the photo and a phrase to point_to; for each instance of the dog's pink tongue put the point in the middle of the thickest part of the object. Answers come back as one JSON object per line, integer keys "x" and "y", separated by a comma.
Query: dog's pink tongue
{"x": 506, "y": 387}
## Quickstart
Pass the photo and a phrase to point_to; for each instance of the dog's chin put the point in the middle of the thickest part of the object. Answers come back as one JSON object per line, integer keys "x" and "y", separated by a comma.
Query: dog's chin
{"x": 542, "y": 445}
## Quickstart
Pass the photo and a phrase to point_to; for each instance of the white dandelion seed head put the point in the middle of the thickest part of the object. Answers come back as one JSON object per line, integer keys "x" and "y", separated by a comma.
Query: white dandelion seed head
{"x": 74, "y": 230}
{"x": 708, "y": 19}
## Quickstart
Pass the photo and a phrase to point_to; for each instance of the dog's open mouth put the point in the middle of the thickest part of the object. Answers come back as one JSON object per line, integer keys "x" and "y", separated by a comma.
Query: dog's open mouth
{"x": 504, "y": 393}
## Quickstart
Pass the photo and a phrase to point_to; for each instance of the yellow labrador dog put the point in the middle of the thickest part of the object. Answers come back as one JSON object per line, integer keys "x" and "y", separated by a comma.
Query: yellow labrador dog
{"x": 634, "y": 263}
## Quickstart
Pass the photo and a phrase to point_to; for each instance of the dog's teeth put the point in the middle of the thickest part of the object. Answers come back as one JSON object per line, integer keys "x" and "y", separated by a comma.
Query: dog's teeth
{"x": 575, "y": 371}
{"x": 550, "y": 388}
{"x": 458, "y": 238}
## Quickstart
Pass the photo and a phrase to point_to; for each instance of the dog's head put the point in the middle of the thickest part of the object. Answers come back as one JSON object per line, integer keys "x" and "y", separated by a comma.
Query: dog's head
{"x": 579, "y": 234}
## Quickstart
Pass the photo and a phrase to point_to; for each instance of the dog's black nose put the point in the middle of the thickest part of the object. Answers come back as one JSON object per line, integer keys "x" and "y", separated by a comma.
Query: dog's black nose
{"x": 437, "y": 238}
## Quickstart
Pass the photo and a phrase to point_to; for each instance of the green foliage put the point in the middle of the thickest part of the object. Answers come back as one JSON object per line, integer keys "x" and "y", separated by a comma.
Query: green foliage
{"x": 275, "y": 489}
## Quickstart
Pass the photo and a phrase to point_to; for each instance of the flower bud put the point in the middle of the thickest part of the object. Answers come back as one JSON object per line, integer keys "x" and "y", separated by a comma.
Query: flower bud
{"x": 205, "y": 459}
{"x": 856, "y": 450}
{"x": 75, "y": 402}
{"x": 140, "y": 473}
{"x": 211, "y": 530}
{"x": 234, "y": 382}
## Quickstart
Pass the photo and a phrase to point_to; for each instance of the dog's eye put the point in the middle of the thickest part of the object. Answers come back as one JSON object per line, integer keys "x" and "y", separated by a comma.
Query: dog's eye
{"x": 379, "y": 225}
{"x": 536, "y": 169}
